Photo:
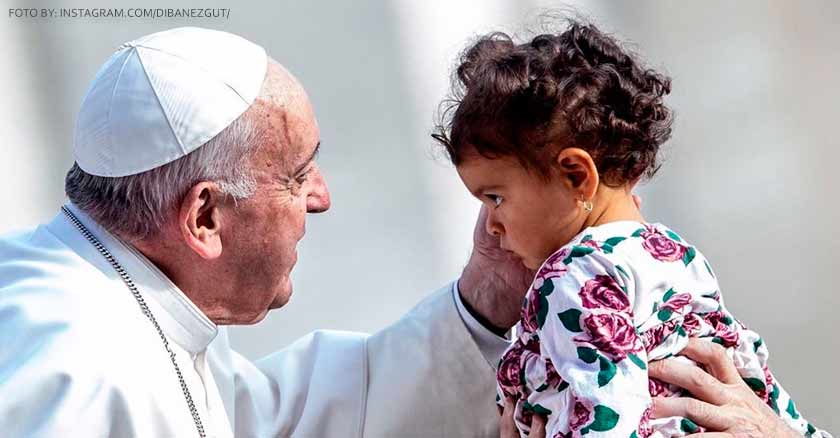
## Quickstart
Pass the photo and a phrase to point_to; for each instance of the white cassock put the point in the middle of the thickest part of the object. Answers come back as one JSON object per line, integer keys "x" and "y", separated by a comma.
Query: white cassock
{"x": 79, "y": 359}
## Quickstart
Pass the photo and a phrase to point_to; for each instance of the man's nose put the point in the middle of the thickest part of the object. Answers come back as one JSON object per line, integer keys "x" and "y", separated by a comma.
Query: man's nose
{"x": 318, "y": 200}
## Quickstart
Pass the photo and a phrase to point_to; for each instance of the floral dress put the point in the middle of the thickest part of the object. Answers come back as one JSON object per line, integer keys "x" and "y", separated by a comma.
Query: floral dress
{"x": 600, "y": 308}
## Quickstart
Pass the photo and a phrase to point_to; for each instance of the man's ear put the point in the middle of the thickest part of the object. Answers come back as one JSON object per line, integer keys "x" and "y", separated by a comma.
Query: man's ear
{"x": 200, "y": 220}
{"x": 577, "y": 169}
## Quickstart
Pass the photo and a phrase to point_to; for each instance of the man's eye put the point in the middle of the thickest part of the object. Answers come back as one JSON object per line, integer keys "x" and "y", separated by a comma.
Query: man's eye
{"x": 302, "y": 177}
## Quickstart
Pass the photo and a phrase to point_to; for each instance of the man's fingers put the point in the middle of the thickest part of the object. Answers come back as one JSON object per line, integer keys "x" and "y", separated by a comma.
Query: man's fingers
{"x": 691, "y": 378}
{"x": 537, "y": 427}
{"x": 711, "y": 435}
{"x": 715, "y": 359}
{"x": 507, "y": 425}
{"x": 703, "y": 414}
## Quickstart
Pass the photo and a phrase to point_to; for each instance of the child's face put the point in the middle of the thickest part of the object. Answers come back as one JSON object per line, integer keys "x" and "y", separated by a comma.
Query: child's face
{"x": 532, "y": 217}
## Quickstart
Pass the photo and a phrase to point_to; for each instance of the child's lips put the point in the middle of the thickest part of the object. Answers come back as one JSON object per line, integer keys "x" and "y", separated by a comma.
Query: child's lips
{"x": 511, "y": 254}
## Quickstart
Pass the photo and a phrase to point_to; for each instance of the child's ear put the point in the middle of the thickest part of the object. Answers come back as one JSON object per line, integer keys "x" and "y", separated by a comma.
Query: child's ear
{"x": 577, "y": 170}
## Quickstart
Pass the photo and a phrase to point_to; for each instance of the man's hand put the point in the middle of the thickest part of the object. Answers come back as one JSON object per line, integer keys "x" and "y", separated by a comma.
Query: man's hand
{"x": 507, "y": 425}
{"x": 724, "y": 404}
{"x": 494, "y": 282}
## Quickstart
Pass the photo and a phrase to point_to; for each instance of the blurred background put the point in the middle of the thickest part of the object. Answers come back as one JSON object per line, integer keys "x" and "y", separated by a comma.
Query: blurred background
{"x": 750, "y": 174}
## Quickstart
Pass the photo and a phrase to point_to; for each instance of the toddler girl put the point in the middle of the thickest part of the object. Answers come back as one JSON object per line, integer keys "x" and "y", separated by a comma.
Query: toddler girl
{"x": 552, "y": 135}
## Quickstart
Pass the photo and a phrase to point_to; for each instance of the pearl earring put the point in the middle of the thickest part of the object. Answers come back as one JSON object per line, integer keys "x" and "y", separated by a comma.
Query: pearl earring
{"x": 587, "y": 205}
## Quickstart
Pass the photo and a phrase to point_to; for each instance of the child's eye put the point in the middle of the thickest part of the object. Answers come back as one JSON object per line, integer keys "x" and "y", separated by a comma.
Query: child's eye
{"x": 495, "y": 199}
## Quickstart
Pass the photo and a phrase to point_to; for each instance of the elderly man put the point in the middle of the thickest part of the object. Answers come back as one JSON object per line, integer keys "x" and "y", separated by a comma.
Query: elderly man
{"x": 195, "y": 169}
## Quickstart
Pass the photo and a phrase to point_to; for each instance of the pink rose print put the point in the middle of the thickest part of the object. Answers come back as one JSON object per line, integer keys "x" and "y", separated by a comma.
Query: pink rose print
{"x": 581, "y": 415}
{"x": 657, "y": 387}
{"x": 510, "y": 371}
{"x": 530, "y": 309}
{"x": 661, "y": 247}
{"x": 591, "y": 243}
{"x": 553, "y": 267}
{"x": 645, "y": 430}
{"x": 603, "y": 292}
{"x": 553, "y": 378}
{"x": 769, "y": 381}
{"x": 532, "y": 346}
{"x": 677, "y": 302}
{"x": 654, "y": 337}
{"x": 509, "y": 375}
{"x": 612, "y": 334}
{"x": 727, "y": 336}
{"x": 691, "y": 324}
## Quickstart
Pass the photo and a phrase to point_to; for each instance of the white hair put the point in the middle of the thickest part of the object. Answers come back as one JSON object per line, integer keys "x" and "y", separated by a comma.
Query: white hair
{"x": 136, "y": 206}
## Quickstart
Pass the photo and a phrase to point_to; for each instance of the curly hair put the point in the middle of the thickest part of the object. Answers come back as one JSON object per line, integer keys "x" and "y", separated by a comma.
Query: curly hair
{"x": 577, "y": 88}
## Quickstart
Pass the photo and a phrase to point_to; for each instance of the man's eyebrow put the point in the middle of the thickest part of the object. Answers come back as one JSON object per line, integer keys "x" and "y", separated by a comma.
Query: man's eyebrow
{"x": 309, "y": 160}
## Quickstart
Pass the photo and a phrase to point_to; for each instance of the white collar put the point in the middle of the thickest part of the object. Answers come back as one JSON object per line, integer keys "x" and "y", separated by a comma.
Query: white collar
{"x": 181, "y": 320}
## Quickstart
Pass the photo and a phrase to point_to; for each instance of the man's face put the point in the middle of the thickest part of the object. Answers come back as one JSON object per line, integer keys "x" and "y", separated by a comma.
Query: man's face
{"x": 262, "y": 241}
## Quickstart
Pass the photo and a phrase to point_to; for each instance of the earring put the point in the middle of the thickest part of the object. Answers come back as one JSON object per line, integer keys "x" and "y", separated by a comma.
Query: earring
{"x": 587, "y": 205}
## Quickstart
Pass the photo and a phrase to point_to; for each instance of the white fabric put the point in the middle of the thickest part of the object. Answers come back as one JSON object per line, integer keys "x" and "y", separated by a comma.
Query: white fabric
{"x": 492, "y": 346}
{"x": 78, "y": 358}
{"x": 162, "y": 96}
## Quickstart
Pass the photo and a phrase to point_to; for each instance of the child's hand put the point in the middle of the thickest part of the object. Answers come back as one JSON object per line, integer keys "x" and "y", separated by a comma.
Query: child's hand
{"x": 494, "y": 281}
{"x": 724, "y": 404}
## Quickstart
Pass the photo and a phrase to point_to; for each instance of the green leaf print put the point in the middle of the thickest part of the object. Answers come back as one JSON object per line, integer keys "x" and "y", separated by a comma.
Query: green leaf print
{"x": 637, "y": 360}
{"x": 547, "y": 288}
{"x": 668, "y": 295}
{"x": 634, "y": 435}
{"x": 673, "y": 235}
{"x": 586, "y": 238}
{"x": 711, "y": 295}
{"x": 774, "y": 399}
{"x": 539, "y": 409}
{"x": 563, "y": 385}
{"x": 542, "y": 312}
{"x": 542, "y": 387}
{"x": 688, "y": 426}
{"x": 791, "y": 409}
{"x": 607, "y": 371}
{"x": 536, "y": 408}
{"x": 638, "y": 232}
{"x": 587, "y": 355}
{"x": 578, "y": 251}
{"x": 571, "y": 320}
{"x": 757, "y": 344}
{"x": 613, "y": 241}
{"x": 664, "y": 314}
{"x": 622, "y": 272}
{"x": 605, "y": 419}
{"x": 709, "y": 268}
{"x": 756, "y": 385}
{"x": 690, "y": 252}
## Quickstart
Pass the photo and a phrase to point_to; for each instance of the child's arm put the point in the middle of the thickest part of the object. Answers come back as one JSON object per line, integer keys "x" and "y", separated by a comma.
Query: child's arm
{"x": 581, "y": 308}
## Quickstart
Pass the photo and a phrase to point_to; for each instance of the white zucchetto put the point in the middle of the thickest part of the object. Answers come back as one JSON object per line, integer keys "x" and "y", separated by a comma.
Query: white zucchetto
{"x": 162, "y": 96}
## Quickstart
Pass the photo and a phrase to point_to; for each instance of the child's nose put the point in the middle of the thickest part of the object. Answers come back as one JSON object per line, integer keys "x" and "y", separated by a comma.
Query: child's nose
{"x": 493, "y": 226}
